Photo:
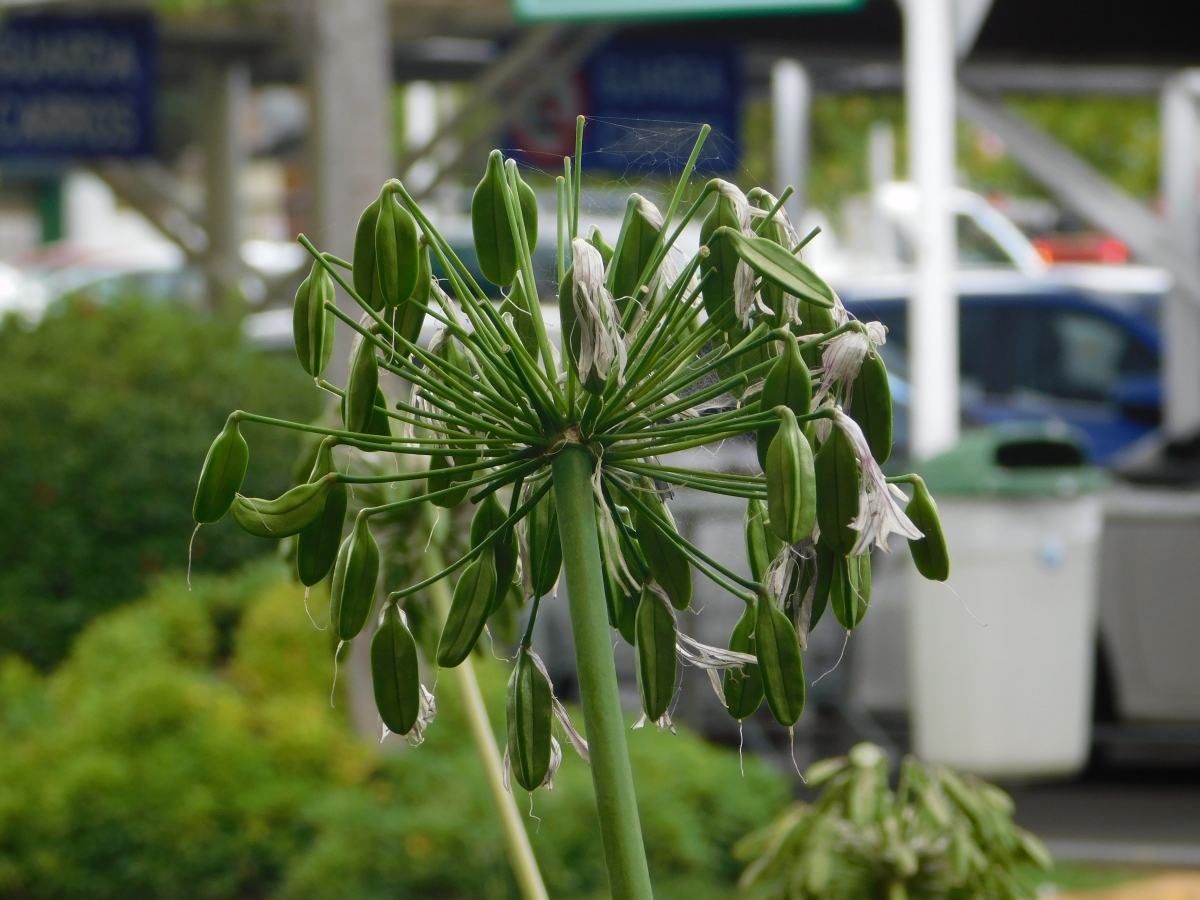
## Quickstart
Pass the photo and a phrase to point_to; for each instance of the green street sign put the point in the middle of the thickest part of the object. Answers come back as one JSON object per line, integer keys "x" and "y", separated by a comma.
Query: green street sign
{"x": 626, "y": 10}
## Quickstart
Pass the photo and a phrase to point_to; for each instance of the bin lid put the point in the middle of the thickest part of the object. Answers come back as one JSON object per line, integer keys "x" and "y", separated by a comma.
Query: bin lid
{"x": 1016, "y": 459}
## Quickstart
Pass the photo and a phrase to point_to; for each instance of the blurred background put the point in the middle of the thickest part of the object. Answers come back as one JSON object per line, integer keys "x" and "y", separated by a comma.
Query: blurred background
{"x": 1024, "y": 176}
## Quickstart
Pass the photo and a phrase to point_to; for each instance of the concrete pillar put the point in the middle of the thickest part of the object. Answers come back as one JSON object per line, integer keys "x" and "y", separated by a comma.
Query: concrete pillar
{"x": 225, "y": 88}
{"x": 791, "y": 105}
{"x": 1180, "y": 183}
{"x": 351, "y": 138}
{"x": 351, "y": 157}
{"x": 933, "y": 305}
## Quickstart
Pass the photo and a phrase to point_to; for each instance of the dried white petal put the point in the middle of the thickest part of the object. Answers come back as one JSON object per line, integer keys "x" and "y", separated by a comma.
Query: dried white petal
{"x": 879, "y": 515}
{"x": 425, "y": 714}
{"x": 555, "y": 762}
{"x": 576, "y": 739}
{"x": 743, "y": 276}
{"x": 694, "y": 653}
{"x": 600, "y": 343}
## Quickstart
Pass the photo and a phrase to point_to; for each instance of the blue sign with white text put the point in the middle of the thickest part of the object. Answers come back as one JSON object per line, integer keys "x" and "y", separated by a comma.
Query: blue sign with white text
{"x": 646, "y": 103}
{"x": 77, "y": 86}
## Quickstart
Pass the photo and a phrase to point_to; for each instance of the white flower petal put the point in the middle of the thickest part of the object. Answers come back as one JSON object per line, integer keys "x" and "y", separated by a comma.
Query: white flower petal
{"x": 879, "y": 515}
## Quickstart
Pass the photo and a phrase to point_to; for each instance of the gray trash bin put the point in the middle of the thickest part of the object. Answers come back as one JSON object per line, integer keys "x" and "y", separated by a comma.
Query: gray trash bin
{"x": 1003, "y": 687}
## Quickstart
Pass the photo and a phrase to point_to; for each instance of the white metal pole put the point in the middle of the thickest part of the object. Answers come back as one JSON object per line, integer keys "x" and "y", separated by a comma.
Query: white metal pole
{"x": 933, "y": 306}
{"x": 791, "y": 104}
{"x": 1181, "y": 317}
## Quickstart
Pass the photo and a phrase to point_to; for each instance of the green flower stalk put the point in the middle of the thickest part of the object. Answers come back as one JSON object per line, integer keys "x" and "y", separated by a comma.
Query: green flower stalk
{"x": 568, "y": 452}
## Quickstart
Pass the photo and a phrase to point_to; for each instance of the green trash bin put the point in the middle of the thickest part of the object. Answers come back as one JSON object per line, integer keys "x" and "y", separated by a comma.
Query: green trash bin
{"x": 1003, "y": 687}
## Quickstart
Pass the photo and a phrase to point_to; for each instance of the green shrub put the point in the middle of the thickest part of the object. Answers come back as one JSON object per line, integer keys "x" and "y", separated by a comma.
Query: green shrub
{"x": 105, "y": 414}
{"x": 187, "y": 749}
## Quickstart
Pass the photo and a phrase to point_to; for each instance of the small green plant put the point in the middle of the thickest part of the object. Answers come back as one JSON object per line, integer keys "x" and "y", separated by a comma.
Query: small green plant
{"x": 661, "y": 352}
{"x": 937, "y": 836}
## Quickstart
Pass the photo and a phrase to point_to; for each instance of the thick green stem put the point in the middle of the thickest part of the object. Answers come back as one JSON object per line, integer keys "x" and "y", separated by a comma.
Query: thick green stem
{"x": 612, "y": 778}
{"x": 520, "y": 853}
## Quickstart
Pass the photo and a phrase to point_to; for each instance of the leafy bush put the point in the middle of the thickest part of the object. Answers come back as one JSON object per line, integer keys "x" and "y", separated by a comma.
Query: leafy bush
{"x": 105, "y": 414}
{"x": 187, "y": 748}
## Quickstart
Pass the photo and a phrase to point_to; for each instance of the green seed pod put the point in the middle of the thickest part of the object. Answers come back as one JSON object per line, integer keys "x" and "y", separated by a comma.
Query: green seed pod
{"x": 354, "y": 578}
{"x": 506, "y": 555}
{"x": 837, "y": 491}
{"x": 502, "y": 622}
{"x": 826, "y": 562}
{"x": 596, "y": 239}
{"x": 469, "y": 610}
{"x": 530, "y": 715}
{"x": 929, "y": 553}
{"x": 380, "y": 422}
{"x": 222, "y": 474}
{"x": 757, "y": 553}
{"x": 778, "y": 650}
{"x": 772, "y": 295}
{"x": 317, "y": 545}
{"x": 397, "y": 258}
{"x": 779, "y": 266}
{"x": 361, "y": 388}
{"x": 395, "y": 675}
{"x": 722, "y": 261}
{"x": 488, "y": 518}
{"x": 850, "y": 592}
{"x": 743, "y": 688}
{"x": 517, "y": 306}
{"x": 639, "y": 232}
{"x": 494, "y": 245}
{"x": 545, "y": 545}
{"x": 622, "y": 608}
{"x": 286, "y": 515}
{"x": 669, "y": 566}
{"x": 813, "y": 320}
{"x": 366, "y": 283}
{"x": 791, "y": 482}
{"x": 439, "y": 482}
{"x": 409, "y": 316}
{"x": 654, "y": 645}
{"x": 871, "y": 406}
{"x": 312, "y": 324}
{"x": 789, "y": 384}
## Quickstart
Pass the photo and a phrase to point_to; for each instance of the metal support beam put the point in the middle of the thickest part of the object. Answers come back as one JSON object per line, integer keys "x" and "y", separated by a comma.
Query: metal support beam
{"x": 154, "y": 192}
{"x": 969, "y": 16}
{"x": 1077, "y": 185}
{"x": 225, "y": 88}
{"x": 528, "y": 53}
{"x": 933, "y": 306}
{"x": 791, "y": 106}
{"x": 1181, "y": 319}
{"x": 575, "y": 49}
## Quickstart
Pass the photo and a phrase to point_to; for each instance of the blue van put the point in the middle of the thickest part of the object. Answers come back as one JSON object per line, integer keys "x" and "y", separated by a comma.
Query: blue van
{"x": 1062, "y": 355}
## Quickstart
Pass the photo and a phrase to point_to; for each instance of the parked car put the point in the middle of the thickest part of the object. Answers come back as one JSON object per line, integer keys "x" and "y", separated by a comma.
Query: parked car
{"x": 1077, "y": 342}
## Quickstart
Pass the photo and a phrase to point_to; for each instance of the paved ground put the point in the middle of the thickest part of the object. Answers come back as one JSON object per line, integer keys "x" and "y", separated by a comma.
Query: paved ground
{"x": 1174, "y": 886}
{"x": 1119, "y": 814}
